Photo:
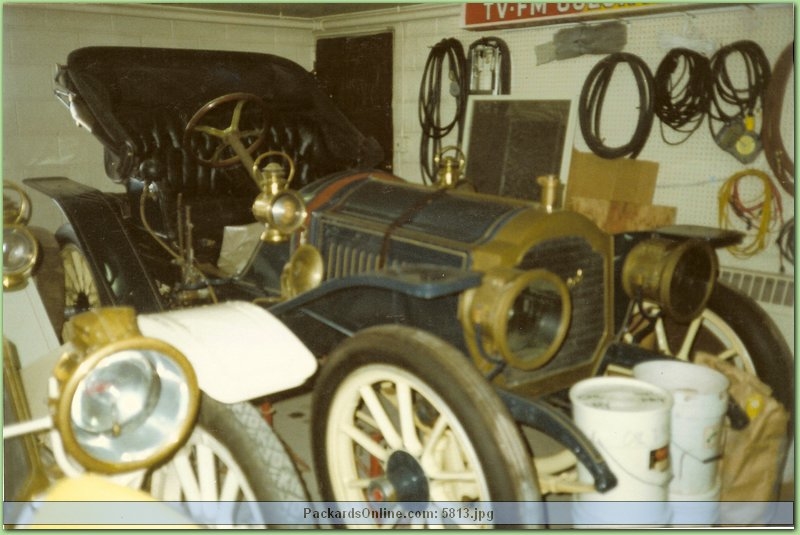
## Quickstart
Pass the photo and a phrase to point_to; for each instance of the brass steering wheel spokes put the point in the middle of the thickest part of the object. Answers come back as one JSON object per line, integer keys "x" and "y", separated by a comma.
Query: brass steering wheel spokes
{"x": 232, "y": 138}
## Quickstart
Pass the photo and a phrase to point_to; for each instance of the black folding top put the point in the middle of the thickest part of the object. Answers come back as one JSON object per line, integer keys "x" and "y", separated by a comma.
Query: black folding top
{"x": 115, "y": 80}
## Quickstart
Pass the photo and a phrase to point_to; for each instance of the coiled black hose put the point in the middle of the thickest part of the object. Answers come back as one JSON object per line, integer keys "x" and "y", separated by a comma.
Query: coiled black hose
{"x": 590, "y": 106}
{"x": 779, "y": 159}
{"x": 681, "y": 93}
{"x": 786, "y": 241}
{"x": 431, "y": 91}
{"x": 728, "y": 101}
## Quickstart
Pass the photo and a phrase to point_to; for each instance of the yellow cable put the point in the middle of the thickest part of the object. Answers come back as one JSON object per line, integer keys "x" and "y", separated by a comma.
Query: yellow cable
{"x": 727, "y": 201}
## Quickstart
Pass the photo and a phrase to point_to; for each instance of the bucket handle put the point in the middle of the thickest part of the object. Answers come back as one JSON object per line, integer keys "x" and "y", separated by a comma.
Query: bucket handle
{"x": 736, "y": 415}
{"x": 609, "y": 455}
{"x": 715, "y": 457}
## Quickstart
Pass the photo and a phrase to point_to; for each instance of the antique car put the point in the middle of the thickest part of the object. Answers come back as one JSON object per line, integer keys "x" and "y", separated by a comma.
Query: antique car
{"x": 444, "y": 320}
{"x": 137, "y": 402}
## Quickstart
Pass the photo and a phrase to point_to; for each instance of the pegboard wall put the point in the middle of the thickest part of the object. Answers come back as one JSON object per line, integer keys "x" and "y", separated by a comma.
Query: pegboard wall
{"x": 690, "y": 174}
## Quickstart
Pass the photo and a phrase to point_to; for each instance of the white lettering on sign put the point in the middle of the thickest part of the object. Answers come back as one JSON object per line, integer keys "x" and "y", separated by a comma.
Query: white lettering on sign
{"x": 502, "y": 11}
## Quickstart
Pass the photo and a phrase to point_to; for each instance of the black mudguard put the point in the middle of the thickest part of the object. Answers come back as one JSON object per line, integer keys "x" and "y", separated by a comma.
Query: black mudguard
{"x": 98, "y": 229}
{"x": 542, "y": 417}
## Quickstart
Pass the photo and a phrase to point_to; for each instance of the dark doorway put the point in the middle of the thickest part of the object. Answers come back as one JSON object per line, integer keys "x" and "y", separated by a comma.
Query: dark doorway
{"x": 357, "y": 73}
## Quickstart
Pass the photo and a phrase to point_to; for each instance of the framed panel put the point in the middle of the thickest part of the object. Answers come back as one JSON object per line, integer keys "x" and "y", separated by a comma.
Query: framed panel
{"x": 510, "y": 141}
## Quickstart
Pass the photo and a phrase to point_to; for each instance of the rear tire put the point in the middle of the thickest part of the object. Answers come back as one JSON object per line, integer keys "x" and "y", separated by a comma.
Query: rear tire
{"x": 736, "y": 329}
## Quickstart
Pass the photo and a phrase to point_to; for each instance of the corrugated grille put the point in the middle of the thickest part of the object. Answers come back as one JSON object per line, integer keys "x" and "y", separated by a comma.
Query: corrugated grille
{"x": 564, "y": 257}
{"x": 344, "y": 261}
{"x": 766, "y": 288}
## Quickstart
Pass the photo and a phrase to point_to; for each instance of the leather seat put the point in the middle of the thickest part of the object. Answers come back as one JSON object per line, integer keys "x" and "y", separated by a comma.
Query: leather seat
{"x": 216, "y": 196}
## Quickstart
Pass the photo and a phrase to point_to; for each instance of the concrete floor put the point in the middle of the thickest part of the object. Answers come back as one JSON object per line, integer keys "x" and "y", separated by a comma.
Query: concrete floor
{"x": 291, "y": 419}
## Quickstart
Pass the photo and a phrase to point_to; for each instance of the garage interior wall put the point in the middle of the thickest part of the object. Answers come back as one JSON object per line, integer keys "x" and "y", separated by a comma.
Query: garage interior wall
{"x": 39, "y": 138}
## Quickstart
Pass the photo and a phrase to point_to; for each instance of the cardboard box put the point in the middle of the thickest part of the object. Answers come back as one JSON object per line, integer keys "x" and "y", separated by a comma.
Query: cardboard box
{"x": 616, "y": 194}
{"x": 619, "y": 216}
{"x": 622, "y": 179}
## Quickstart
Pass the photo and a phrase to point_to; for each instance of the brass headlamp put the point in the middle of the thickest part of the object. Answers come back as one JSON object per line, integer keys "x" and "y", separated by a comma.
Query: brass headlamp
{"x": 280, "y": 209}
{"x": 677, "y": 275}
{"x": 121, "y": 401}
{"x": 520, "y": 316}
{"x": 20, "y": 247}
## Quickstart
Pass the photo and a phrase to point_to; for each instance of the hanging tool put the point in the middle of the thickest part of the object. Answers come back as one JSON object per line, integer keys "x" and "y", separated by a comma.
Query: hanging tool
{"x": 489, "y": 67}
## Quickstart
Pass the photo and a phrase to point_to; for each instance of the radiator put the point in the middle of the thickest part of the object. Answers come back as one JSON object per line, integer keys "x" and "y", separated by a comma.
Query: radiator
{"x": 772, "y": 291}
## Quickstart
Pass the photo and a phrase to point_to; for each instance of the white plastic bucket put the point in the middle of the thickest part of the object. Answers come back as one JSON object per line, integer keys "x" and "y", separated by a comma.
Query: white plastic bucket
{"x": 700, "y": 401}
{"x": 628, "y": 421}
{"x": 696, "y": 510}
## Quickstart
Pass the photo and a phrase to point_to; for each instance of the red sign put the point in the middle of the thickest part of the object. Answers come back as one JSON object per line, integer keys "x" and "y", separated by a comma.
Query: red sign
{"x": 502, "y": 14}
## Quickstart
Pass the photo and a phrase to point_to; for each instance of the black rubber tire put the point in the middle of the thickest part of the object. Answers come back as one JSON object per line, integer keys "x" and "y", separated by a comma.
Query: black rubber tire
{"x": 502, "y": 455}
{"x": 261, "y": 457}
{"x": 255, "y": 446}
{"x": 771, "y": 359}
{"x": 769, "y": 352}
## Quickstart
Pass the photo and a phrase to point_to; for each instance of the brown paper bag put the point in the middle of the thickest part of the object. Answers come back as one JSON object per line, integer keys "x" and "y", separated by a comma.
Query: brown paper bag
{"x": 753, "y": 457}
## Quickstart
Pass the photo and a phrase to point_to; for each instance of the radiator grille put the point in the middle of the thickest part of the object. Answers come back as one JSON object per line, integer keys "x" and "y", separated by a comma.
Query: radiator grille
{"x": 564, "y": 257}
{"x": 344, "y": 261}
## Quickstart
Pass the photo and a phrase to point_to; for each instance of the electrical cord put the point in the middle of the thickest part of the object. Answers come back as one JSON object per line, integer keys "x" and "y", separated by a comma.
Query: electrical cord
{"x": 727, "y": 101}
{"x": 593, "y": 94}
{"x": 785, "y": 243}
{"x": 431, "y": 88}
{"x": 779, "y": 159}
{"x": 681, "y": 92}
{"x": 757, "y": 214}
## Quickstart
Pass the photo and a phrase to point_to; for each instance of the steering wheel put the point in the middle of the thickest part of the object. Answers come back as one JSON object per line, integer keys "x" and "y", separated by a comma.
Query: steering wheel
{"x": 230, "y": 136}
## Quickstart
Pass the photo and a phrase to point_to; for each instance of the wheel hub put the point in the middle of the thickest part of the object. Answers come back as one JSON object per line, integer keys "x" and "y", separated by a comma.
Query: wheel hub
{"x": 404, "y": 481}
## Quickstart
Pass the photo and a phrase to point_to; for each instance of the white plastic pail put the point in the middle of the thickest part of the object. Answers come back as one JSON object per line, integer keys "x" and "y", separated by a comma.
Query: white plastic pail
{"x": 700, "y": 401}
{"x": 696, "y": 510}
{"x": 628, "y": 421}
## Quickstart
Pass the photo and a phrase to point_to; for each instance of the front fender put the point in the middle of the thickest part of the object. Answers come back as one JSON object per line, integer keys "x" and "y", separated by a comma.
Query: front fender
{"x": 239, "y": 350}
{"x": 97, "y": 228}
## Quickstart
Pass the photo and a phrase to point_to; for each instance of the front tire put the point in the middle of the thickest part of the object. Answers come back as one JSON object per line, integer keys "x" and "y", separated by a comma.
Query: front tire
{"x": 399, "y": 414}
{"x": 735, "y": 329}
{"x": 232, "y": 457}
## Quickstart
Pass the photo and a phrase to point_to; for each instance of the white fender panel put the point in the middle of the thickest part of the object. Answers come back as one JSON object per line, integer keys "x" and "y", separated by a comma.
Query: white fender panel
{"x": 239, "y": 350}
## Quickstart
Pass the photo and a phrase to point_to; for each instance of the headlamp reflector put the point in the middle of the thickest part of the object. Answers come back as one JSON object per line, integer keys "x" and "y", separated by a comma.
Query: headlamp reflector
{"x": 128, "y": 405}
{"x": 677, "y": 275}
{"x": 287, "y": 212}
{"x": 20, "y": 252}
{"x": 523, "y": 315}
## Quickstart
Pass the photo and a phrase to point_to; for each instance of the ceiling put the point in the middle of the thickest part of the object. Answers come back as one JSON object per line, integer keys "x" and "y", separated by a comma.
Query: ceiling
{"x": 293, "y": 9}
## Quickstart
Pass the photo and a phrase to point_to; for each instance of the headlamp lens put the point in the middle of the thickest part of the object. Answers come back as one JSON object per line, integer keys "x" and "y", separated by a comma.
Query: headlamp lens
{"x": 287, "y": 212}
{"x": 19, "y": 249}
{"x": 120, "y": 393}
{"x": 133, "y": 405}
{"x": 534, "y": 319}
